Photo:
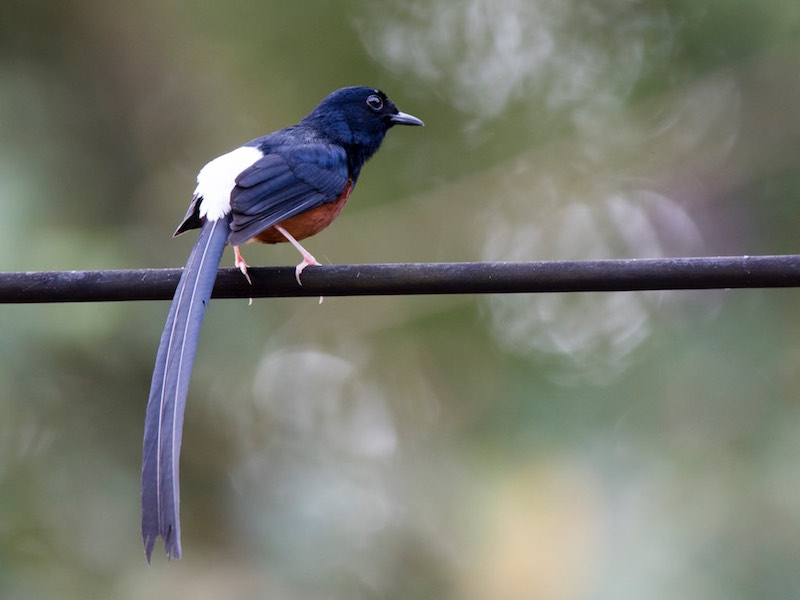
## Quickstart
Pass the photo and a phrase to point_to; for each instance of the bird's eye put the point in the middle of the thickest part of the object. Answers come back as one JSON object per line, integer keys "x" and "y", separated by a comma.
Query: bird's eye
{"x": 375, "y": 102}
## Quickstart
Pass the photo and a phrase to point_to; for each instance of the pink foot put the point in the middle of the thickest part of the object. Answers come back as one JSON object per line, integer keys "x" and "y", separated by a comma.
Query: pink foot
{"x": 308, "y": 260}
{"x": 239, "y": 263}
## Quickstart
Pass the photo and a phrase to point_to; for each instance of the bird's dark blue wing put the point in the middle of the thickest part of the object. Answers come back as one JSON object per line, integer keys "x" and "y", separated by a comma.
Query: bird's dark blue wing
{"x": 285, "y": 183}
{"x": 164, "y": 417}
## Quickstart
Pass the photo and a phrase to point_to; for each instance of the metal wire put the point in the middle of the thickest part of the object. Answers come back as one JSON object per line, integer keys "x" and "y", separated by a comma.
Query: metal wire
{"x": 416, "y": 278}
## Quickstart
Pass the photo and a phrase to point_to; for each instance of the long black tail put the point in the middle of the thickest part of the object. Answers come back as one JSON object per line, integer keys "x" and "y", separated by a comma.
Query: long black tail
{"x": 164, "y": 419}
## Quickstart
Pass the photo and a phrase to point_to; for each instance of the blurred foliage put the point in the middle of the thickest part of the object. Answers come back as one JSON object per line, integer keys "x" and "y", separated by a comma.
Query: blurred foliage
{"x": 561, "y": 446}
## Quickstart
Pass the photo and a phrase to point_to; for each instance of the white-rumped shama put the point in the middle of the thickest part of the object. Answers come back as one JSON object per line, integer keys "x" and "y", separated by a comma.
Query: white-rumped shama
{"x": 282, "y": 187}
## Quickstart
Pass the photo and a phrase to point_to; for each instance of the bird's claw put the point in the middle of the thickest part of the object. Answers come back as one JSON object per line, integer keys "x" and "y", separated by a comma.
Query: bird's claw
{"x": 239, "y": 263}
{"x": 308, "y": 261}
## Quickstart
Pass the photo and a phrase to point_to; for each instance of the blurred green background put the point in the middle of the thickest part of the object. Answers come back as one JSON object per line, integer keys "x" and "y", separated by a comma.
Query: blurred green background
{"x": 591, "y": 446}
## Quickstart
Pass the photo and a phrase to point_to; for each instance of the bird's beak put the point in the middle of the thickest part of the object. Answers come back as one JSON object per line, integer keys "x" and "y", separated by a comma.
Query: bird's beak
{"x": 402, "y": 118}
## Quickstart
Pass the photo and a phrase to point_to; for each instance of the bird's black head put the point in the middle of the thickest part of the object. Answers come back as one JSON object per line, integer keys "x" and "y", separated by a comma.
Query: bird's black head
{"x": 357, "y": 118}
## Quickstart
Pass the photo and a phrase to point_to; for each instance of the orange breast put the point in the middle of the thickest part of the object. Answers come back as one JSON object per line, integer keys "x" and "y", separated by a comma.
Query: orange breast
{"x": 308, "y": 223}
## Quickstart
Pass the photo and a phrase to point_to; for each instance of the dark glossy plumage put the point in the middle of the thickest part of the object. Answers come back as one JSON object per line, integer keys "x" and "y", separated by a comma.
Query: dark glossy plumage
{"x": 285, "y": 183}
{"x": 299, "y": 177}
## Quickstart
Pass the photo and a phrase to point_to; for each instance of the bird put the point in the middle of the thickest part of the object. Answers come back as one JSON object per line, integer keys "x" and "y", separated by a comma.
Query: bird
{"x": 282, "y": 187}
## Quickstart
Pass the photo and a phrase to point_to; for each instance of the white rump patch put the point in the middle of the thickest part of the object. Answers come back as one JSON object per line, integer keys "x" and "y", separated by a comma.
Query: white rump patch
{"x": 215, "y": 181}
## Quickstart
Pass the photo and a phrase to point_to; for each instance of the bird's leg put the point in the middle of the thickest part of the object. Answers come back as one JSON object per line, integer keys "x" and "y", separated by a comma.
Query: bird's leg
{"x": 308, "y": 260}
{"x": 238, "y": 262}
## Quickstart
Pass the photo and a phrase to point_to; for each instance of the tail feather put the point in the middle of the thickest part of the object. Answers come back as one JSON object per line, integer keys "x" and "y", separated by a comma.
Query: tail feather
{"x": 165, "y": 407}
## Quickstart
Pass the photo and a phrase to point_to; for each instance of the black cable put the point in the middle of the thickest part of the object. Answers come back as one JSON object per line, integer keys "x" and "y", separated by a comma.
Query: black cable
{"x": 416, "y": 278}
